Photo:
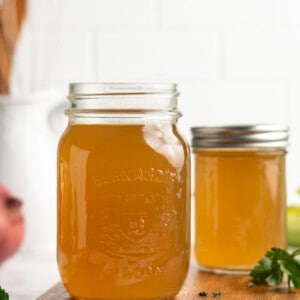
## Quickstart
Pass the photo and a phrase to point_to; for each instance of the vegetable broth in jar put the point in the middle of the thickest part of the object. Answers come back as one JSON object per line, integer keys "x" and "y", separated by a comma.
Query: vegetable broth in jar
{"x": 240, "y": 195}
{"x": 123, "y": 193}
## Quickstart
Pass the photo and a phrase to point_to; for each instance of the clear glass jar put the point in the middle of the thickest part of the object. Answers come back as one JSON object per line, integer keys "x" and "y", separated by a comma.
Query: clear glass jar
{"x": 240, "y": 194}
{"x": 123, "y": 193}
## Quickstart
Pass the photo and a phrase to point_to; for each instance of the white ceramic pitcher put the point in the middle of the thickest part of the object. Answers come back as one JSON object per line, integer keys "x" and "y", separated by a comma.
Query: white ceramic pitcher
{"x": 29, "y": 131}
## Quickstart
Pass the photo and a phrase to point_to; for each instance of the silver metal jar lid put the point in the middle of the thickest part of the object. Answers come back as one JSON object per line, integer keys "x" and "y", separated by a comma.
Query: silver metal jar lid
{"x": 240, "y": 136}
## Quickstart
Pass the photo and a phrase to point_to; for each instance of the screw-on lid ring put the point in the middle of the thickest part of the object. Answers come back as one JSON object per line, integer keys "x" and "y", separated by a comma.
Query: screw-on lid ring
{"x": 240, "y": 136}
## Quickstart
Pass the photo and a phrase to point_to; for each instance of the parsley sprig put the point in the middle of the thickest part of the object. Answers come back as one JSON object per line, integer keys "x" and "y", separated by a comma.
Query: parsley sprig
{"x": 3, "y": 294}
{"x": 274, "y": 265}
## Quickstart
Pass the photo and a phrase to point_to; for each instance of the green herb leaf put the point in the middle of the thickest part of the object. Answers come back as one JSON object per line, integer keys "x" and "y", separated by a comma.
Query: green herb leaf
{"x": 203, "y": 293}
{"x": 3, "y": 294}
{"x": 274, "y": 265}
{"x": 261, "y": 272}
{"x": 217, "y": 294}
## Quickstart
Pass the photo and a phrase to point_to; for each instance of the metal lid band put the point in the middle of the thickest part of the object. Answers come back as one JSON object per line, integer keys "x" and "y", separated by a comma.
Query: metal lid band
{"x": 240, "y": 136}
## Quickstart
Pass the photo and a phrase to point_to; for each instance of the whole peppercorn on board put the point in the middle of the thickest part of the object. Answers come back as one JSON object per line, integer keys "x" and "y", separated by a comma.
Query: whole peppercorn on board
{"x": 216, "y": 287}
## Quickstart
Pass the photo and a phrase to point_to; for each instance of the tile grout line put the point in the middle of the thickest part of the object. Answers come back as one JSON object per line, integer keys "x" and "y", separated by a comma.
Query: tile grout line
{"x": 159, "y": 14}
{"x": 221, "y": 59}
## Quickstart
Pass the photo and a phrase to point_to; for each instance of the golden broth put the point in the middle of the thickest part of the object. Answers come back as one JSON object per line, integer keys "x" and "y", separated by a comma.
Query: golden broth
{"x": 123, "y": 211}
{"x": 239, "y": 206}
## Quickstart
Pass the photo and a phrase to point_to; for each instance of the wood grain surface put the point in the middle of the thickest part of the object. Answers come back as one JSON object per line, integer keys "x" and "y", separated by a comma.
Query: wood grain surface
{"x": 231, "y": 287}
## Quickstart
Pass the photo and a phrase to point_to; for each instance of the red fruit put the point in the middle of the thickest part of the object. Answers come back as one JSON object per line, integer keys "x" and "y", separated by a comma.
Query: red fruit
{"x": 11, "y": 224}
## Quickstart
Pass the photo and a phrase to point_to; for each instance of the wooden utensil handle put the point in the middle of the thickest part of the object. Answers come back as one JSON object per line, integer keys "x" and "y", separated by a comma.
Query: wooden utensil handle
{"x": 12, "y": 13}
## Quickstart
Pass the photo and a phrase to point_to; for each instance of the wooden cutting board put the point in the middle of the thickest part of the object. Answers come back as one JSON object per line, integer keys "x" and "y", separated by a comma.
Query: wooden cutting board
{"x": 231, "y": 287}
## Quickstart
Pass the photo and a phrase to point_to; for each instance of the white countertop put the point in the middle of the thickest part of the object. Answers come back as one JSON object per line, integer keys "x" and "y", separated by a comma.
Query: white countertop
{"x": 28, "y": 274}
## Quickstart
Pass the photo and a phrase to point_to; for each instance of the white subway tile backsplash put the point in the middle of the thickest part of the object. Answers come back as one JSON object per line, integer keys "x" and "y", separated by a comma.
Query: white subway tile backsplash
{"x": 231, "y": 103}
{"x": 294, "y": 105}
{"x": 94, "y": 14}
{"x": 293, "y": 12}
{"x": 46, "y": 13}
{"x": 62, "y": 58}
{"x": 220, "y": 12}
{"x": 157, "y": 56}
{"x": 262, "y": 55}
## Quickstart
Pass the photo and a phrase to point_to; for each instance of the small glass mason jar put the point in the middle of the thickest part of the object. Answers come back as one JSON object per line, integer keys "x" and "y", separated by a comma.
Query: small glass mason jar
{"x": 240, "y": 194}
{"x": 123, "y": 193}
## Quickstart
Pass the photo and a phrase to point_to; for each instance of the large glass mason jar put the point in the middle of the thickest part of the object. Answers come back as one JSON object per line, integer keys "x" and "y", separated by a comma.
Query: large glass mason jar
{"x": 123, "y": 193}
